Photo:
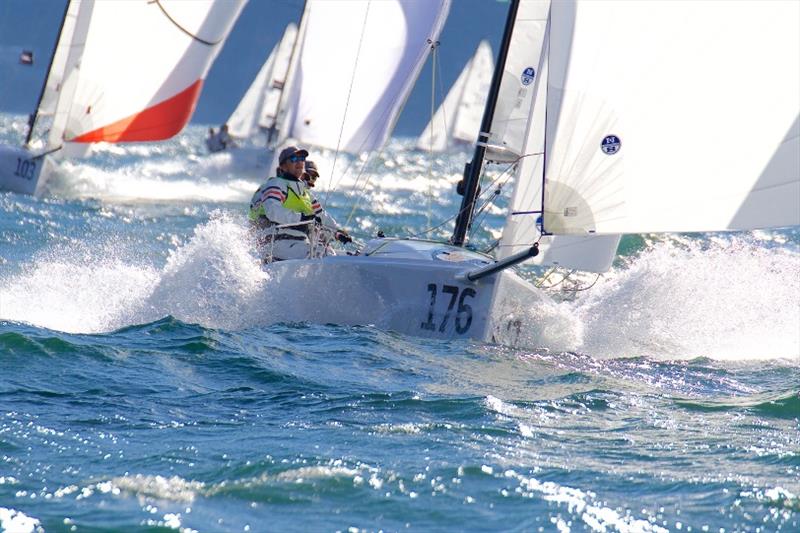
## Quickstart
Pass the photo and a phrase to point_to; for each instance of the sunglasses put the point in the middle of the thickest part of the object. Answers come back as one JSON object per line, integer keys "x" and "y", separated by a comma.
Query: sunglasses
{"x": 296, "y": 158}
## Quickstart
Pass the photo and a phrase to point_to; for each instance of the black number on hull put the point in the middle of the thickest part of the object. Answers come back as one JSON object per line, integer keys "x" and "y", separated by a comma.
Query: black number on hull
{"x": 463, "y": 319}
{"x": 464, "y": 311}
{"x": 26, "y": 168}
{"x": 429, "y": 325}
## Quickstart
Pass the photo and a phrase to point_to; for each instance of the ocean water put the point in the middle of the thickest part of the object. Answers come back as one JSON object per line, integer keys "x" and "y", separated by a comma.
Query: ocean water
{"x": 147, "y": 385}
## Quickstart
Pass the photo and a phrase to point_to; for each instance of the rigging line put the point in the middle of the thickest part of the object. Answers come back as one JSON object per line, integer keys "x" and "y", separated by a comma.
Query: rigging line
{"x": 33, "y": 116}
{"x": 489, "y": 201}
{"x": 383, "y": 113}
{"x": 349, "y": 92}
{"x": 434, "y": 53}
{"x": 184, "y": 30}
{"x": 546, "y": 277}
{"x": 457, "y": 214}
{"x": 364, "y": 165}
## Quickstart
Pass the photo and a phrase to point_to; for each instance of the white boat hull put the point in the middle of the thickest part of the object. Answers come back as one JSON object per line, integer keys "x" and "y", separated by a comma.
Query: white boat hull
{"x": 423, "y": 296}
{"x": 20, "y": 171}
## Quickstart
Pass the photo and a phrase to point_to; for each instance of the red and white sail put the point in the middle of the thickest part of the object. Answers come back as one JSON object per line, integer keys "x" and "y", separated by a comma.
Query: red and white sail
{"x": 133, "y": 69}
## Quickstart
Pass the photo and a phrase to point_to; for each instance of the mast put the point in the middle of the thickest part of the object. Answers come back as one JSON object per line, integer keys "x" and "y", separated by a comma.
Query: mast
{"x": 472, "y": 171}
{"x": 32, "y": 118}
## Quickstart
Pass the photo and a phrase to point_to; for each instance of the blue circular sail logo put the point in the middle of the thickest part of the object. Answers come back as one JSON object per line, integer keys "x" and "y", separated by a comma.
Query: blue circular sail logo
{"x": 527, "y": 76}
{"x": 611, "y": 145}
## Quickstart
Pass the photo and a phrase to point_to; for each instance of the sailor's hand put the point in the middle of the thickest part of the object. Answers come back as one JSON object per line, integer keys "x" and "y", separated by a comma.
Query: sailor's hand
{"x": 316, "y": 219}
{"x": 343, "y": 237}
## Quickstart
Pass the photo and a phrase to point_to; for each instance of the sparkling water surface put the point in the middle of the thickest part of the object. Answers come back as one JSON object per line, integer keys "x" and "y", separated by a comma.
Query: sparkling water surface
{"x": 148, "y": 383}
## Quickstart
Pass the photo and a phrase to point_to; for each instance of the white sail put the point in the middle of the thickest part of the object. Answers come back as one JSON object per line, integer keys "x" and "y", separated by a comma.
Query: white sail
{"x": 249, "y": 113}
{"x": 673, "y": 116}
{"x": 459, "y": 116}
{"x": 590, "y": 253}
{"x": 269, "y": 109}
{"x": 59, "y": 63}
{"x": 515, "y": 96}
{"x": 358, "y": 63}
{"x": 140, "y": 67}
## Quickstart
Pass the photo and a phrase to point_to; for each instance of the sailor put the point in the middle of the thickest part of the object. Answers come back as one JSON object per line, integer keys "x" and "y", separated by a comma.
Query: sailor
{"x": 212, "y": 141}
{"x": 285, "y": 213}
{"x": 311, "y": 174}
{"x": 225, "y": 139}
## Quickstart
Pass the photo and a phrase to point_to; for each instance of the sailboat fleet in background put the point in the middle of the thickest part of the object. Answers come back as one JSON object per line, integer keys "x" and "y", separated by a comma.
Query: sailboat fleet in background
{"x": 258, "y": 109}
{"x": 618, "y": 117}
{"x": 459, "y": 116}
{"x": 99, "y": 88}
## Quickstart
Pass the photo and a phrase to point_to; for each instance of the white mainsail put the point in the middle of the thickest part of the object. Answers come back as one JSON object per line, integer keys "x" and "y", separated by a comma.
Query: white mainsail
{"x": 348, "y": 87}
{"x": 260, "y": 100}
{"x": 135, "y": 69}
{"x": 459, "y": 116}
{"x": 685, "y": 118}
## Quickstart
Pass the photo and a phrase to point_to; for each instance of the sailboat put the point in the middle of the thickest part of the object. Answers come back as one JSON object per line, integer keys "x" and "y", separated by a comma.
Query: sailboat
{"x": 649, "y": 124}
{"x": 258, "y": 108}
{"x": 345, "y": 89}
{"x": 106, "y": 83}
{"x": 459, "y": 116}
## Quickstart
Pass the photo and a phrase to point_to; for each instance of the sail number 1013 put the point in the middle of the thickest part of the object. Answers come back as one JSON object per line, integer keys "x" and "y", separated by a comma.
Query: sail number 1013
{"x": 463, "y": 318}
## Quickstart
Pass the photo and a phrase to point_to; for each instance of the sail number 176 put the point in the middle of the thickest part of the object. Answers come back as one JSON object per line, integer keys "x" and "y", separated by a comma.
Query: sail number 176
{"x": 463, "y": 314}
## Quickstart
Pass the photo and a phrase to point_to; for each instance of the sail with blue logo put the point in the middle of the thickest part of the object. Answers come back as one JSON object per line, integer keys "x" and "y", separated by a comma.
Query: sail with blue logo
{"x": 679, "y": 122}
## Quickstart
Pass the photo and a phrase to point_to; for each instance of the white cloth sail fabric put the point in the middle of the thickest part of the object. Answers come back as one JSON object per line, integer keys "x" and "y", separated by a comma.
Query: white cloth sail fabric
{"x": 260, "y": 102}
{"x": 459, "y": 116}
{"x": 594, "y": 253}
{"x": 58, "y": 65}
{"x": 672, "y": 116}
{"x": 358, "y": 63}
{"x": 134, "y": 69}
{"x": 515, "y": 96}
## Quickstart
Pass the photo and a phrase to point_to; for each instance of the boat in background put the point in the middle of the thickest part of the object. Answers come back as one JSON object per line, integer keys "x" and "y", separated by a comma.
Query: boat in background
{"x": 591, "y": 183}
{"x": 108, "y": 84}
{"x": 459, "y": 116}
{"x": 258, "y": 108}
{"x": 345, "y": 90}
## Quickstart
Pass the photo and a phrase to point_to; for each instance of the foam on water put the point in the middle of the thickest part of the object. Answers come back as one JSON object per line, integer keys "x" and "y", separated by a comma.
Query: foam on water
{"x": 13, "y": 521}
{"x": 728, "y": 298}
{"x": 732, "y": 298}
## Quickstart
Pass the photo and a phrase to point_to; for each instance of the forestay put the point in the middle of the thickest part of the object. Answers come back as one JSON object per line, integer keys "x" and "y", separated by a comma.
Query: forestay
{"x": 348, "y": 87}
{"x": 459, "y": 116}
{"x": 672, "y": 116}
{"x": 135, "y": 69}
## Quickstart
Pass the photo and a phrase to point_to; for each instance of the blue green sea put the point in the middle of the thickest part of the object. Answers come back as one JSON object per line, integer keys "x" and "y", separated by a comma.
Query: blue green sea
{"x": 148, "y": 382}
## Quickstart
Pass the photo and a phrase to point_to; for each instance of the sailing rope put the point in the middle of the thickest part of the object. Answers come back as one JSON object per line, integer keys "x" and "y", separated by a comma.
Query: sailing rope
{"x": 184, "y": 30}
{"x": 565, "y": 277}
{"x": 358, "y": 187}
{"x": 434, "y": 56}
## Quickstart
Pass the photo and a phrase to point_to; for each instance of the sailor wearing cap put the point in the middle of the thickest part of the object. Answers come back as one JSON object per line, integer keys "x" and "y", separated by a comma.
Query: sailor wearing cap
{"x": 311, "y": 174}
{"x": 282, "y": 202}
